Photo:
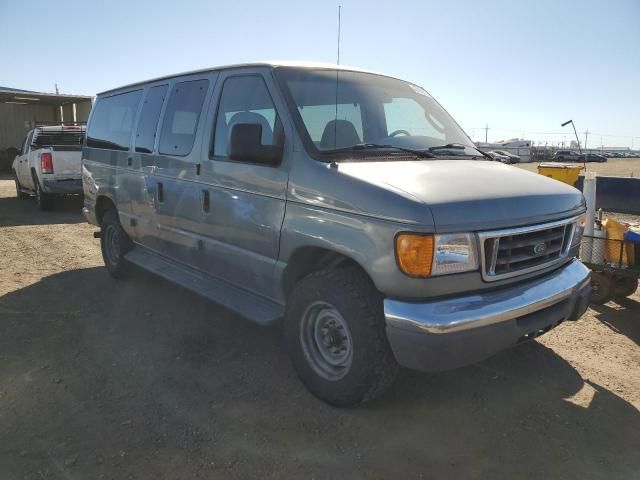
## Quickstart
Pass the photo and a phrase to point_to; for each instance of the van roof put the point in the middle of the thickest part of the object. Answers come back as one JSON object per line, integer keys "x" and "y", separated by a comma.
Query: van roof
{"x": 272, "y": 64}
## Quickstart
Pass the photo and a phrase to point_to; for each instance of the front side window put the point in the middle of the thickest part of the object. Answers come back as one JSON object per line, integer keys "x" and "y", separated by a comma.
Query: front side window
{"x": 181, "y": 117}
{"x": 371, "y": 109}
{"x": 112, "y": 121}
{"x": 148, "y": 123}
{"x": 245, "y": 99}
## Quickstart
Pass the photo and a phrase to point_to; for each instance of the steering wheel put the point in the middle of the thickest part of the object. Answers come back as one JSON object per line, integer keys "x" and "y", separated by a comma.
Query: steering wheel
{"x": 398, "y": 132}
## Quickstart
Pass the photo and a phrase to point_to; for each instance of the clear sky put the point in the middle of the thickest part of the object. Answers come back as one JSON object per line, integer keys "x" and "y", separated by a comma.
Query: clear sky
{"x": 522, "y": 67}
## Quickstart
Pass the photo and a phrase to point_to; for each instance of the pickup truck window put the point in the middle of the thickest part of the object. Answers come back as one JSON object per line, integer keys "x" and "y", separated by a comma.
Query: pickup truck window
{"x": 244, "y": 99}
{"x": 181, "y": 117}
{"x": 148, "y": 123}
{"x": 391, "y": 112}
{"x": 52, "y": 138}
{"x": 112, "y": 121}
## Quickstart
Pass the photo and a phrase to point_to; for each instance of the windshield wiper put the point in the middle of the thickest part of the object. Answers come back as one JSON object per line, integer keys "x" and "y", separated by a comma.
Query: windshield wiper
{"x": 450, "y": 146}
{"x": 376, "y": 146}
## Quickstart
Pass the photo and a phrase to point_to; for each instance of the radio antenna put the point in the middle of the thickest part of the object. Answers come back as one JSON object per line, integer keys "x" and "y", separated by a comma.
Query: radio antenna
{"x": 335, "y": 123}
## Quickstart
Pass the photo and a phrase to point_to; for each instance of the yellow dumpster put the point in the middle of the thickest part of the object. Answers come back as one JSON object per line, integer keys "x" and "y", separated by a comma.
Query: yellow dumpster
{"x": 562, "y": 172}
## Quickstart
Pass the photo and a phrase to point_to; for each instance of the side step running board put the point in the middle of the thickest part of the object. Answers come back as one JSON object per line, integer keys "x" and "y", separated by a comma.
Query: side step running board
{"x": 255, "y": 308}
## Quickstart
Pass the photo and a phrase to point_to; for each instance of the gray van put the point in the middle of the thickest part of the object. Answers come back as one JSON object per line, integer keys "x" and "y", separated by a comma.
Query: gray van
{"x": 345, "y": 204}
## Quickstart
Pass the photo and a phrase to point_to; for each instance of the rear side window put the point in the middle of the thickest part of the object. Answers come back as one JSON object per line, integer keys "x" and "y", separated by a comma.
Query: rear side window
{"x": 48, "y": 138}
{"x": 148, "y": 123}
{"x": 245, "y": 99}
{"x": 112, "y": 121}
{"x": 181, "y": 117}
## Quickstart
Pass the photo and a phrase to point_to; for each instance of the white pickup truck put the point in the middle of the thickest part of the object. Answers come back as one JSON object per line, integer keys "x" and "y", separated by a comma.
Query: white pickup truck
{"x": 50, "y": 163}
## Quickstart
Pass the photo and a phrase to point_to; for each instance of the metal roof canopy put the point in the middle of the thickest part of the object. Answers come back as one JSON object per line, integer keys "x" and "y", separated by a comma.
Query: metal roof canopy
{"x": 25, "y": 97}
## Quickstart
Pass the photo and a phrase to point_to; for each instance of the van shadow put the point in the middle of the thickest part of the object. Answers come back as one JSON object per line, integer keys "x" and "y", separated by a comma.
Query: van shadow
{"x": 141, "y": 377}
{"x": 14, "y": 212}
{"x": 622, "y": 316}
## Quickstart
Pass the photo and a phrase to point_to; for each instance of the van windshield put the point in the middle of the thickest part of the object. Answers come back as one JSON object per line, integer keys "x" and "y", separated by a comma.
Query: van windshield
{"x": 363, "y": 108}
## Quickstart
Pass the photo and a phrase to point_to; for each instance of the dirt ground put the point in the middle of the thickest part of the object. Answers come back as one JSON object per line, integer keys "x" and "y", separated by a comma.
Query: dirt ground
{"x": 139, "y": 379}
{"x": 614, "y": 167}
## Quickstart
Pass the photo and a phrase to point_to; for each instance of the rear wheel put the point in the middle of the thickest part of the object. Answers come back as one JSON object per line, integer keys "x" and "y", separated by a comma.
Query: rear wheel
{"x": 336, "y": 337}
{"x": 43, "y": 200}
{"x": 601, "y": 288}
{"x": 114, "y": 243}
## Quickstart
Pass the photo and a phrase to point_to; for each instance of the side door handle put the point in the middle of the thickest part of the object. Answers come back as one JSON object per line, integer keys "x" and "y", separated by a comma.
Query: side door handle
{"x": 205, "y": 197}
{"x": 159, "y": 194}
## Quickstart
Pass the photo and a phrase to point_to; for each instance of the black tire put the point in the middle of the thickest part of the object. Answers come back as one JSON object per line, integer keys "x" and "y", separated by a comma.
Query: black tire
{"x": 601, "y": 288}
{"x": 371, "y": 367}
{"x": 625, "y": 287}
{"x": 114, "y": 243}
{"x": 20, "y": 194}
{"x": 43, "y": 200}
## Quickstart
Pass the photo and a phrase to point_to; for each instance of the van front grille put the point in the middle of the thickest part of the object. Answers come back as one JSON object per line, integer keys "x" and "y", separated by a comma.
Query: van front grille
{"x": 507, "y": 253}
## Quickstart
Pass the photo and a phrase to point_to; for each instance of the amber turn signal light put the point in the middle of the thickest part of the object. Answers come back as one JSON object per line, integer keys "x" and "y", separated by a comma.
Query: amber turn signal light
{"x": 414, "y": 254}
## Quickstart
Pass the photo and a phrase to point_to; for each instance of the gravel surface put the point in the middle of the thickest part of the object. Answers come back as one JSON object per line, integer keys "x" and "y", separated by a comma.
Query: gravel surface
{"x": 140, "y": 379}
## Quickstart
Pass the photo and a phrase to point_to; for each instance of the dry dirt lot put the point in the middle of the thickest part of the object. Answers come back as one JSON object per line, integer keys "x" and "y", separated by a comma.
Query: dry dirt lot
{"x": 139, "y": 379}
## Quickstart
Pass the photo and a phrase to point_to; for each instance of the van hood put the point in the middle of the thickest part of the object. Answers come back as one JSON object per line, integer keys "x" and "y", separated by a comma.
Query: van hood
{"x": 473, "y": 194}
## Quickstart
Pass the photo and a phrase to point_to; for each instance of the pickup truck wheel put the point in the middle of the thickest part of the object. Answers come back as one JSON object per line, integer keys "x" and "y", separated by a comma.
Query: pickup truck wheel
{"x": 336, "y": 337}
{"x": 20, "y": 194}
{"x": 625, "y": 287}
{"x": 114, "y": 243}
{"x": 601, "y": 288}
{"x": 43, "y": 200}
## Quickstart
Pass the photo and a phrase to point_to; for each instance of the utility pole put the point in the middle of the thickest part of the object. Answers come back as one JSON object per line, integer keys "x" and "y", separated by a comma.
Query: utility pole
{"x": 586, "y": 135}
{"x": 57, "y": 89}
{"x": 486, "y": 133}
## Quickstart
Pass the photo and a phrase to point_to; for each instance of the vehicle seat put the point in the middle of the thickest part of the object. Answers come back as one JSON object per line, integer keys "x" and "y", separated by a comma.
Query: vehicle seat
{"x": 252, "y": 117}
{"x": 339, "y": 134}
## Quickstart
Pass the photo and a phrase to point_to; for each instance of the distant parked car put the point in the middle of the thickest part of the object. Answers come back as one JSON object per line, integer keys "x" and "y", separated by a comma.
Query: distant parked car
{"x": 566, "y": 156}
{"x": 614, "y": 155}
{"x": 49, "y": 163}
{"x": 593, "y": 157}
{"x": 498, "y": 157}
{"x": 514, "y": 158}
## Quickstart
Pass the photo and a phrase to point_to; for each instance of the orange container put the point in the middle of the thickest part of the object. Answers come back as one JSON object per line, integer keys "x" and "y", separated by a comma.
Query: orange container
{"x": 612, "y": 251}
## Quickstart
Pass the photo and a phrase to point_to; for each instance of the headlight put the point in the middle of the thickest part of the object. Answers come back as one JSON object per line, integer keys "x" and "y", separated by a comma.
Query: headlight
{"x": 426, "y": 255}
{"x": 578, "y": 230}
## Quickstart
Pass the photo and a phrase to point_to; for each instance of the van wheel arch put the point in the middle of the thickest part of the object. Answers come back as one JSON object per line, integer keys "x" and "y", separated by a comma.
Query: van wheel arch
{"x": 307, "y": 260}
{"x": 103, "y": 205}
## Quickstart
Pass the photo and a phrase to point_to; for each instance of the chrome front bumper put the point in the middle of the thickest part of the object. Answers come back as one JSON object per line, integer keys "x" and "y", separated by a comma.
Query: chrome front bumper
{"x": 456, "y": 331}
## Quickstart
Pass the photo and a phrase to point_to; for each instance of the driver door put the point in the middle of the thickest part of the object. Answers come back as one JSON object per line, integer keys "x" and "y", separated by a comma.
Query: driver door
{"x": 22, "y": 163}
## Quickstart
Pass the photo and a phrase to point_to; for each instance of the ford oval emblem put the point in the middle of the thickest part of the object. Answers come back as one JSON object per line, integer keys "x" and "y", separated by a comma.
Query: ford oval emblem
{"x": 540, "y": 248}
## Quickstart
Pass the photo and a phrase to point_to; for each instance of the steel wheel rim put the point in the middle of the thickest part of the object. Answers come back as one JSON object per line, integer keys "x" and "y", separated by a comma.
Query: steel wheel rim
{"x": 111, "y": 246}
{"x": 326, "y": 341}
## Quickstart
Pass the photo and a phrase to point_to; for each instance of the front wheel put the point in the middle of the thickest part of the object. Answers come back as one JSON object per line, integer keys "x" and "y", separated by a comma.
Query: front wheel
{"x": 335, "y": 332}
{"x": 20, "y": 194}
{"x": 114, "y": 243}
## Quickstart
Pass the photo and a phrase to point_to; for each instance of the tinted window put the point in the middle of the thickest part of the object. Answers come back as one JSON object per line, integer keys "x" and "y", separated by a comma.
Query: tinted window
{"x": 317, "y": 117}
{"x": 407, "y": 117}
{"x": 60, "y": 137}
{"x": 371, "y": 109}
{"x": 181, "y": 117}
{"x": 245, "y": 100}
{"x": 112, "y": 121}
{"x": 148, "y": 123}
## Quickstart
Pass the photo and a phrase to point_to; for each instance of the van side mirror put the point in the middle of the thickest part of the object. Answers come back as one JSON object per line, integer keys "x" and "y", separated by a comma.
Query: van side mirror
{"x": 245, "y": 145}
